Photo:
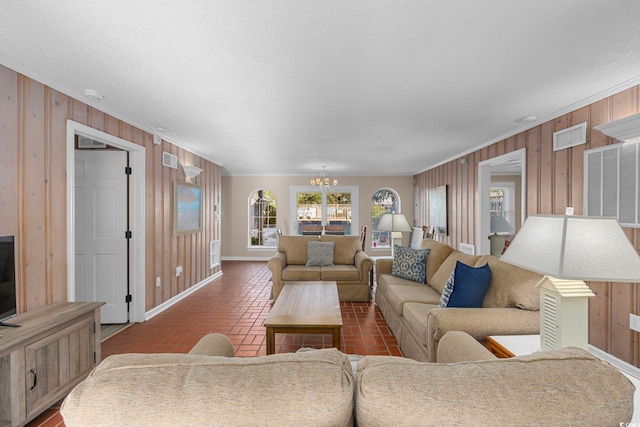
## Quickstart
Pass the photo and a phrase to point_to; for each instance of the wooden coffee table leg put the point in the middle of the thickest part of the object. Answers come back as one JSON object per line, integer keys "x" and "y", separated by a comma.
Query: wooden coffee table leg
{"x": 271, "y": 344}
{"x": 336, "y": 338}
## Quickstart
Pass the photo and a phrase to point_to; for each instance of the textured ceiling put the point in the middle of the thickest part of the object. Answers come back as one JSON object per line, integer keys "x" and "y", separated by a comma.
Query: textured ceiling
{"x": 364, "y": 87}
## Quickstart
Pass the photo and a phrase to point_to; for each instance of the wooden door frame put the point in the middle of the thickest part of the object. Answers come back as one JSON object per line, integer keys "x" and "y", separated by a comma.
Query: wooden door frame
{"x": 137, "y": 154}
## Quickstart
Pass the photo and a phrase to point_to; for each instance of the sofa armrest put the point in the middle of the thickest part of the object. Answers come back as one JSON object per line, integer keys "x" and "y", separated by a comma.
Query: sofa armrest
{"x": 363, "y": 263}
{"x": 276, "y": 264}
{"x": 384, "y": 265}
{"x": 458, "y": 346}
{"x": 479, "y": 323}
{"x": 213, "y": 345}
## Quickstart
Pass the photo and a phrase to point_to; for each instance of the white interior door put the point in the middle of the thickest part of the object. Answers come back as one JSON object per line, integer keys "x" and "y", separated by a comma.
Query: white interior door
{"x": 101, "y": 223}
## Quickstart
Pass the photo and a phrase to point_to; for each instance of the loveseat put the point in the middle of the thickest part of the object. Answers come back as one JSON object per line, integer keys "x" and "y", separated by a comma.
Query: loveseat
{"x": 349, "y": 266}
{"x": 412, "y": 309}
{"x": 321, "y": 388}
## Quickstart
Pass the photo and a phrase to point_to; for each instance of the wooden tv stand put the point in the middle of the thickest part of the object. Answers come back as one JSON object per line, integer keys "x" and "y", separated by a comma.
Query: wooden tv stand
{"x": 54, "y": 348}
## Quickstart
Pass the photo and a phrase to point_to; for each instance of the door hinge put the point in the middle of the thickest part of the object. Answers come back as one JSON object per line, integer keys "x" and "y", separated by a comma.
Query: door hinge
{"x": 128, "y": 298}
{"x": 127, "y": 170}
{"x": 128, "y": 234}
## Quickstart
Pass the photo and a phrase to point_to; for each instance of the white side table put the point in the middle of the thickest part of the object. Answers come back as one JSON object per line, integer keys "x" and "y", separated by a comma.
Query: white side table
{"x": 513, "y": 345}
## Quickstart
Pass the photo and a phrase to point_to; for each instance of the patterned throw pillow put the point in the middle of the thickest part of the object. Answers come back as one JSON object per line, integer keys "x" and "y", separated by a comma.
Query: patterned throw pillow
{"x": 409, "y": 263}
{"x": 319, "y": 254}
{"x": 448, "y": 288}
{"x": 466, "y": 286}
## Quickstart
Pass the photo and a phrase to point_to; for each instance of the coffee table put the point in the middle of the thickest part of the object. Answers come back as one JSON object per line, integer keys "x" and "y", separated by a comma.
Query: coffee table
{"x": 305, "y": 308}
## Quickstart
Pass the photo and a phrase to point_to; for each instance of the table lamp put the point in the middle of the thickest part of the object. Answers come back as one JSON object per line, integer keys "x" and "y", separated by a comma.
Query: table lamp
{"x": 499, "y": 225}
{"x": 395, "y": 224}
{"x": 569, "y": 249}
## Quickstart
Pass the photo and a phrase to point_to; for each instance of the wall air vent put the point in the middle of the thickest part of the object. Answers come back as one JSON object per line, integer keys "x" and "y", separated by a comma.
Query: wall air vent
{"x": 84, "y": 142}
{"x": 570, "y": 137}
{"x": 169, "y": 160}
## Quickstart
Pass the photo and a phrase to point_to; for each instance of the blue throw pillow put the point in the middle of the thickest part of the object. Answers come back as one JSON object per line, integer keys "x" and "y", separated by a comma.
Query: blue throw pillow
{"x": 466, "y": 286}
{"x": 409, "y": 263}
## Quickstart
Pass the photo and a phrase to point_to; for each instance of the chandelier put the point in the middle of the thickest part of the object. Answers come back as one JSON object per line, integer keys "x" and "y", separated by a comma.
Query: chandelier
{"x": 323, "y": 182}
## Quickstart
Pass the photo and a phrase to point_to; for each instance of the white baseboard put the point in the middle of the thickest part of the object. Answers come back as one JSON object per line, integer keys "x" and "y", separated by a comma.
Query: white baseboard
{"x": 162, "y": 307}
{"x": 620, "y": 364}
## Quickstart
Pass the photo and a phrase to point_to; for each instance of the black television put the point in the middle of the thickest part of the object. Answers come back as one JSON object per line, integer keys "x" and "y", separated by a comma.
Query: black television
{"x": 8, "y": 303}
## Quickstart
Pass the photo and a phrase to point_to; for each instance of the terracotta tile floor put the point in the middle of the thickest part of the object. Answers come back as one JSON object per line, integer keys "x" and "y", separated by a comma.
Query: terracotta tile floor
{"x": 236, "y": 304}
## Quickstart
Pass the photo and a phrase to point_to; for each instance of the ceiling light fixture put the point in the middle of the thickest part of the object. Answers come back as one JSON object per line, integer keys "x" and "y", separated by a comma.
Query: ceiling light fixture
{"x": 527, "y": 119}
{"x": 93, "y": 95}
{"x": 162, "y": 129}
{"x": 323, "y": 182}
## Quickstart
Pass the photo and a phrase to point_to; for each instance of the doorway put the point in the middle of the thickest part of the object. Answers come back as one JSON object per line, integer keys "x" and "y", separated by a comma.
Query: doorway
{"x": 512, "y": 164}
{"x": 136, "y": 202}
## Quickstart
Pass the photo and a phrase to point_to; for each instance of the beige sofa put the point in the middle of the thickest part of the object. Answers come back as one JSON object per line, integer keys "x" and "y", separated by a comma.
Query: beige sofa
{"x": 553, "y": 388}
{"x": 317, "y": 388}
{"x": 412, "y": 312}
{"x": 350, "y": 270}
{"x": 205, "y": 389}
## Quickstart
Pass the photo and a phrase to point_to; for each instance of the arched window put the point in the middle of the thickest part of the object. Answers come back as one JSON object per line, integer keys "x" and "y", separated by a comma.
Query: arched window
{"x": 262, "y": 219}
{"x": 383, "y": 201}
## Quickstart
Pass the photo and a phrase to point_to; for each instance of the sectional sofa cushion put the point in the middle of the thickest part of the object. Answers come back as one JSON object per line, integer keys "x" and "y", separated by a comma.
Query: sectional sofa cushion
{"x": 295, "y": 248}
{"x": 552, "y": 388}
{"x": 319, "y": 254}
{"x": 440, "y": 278}
{"x": 398, "y": 295}
{"x": 512, "y": 286}
{"x": 289, "y": 389}
{"x": 301, "y": 272}
{"x": 345, "y": 249}
{"x": 409, "y": 263}
{"x": 341, "y": 273}
{"x": 438, "y": 252}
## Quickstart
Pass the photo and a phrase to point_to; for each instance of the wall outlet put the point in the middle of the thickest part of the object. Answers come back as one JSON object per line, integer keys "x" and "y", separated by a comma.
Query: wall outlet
{"x": 158, "y": 282}
{"x": 178, "y": 271}
{"x": 634, "y": 322}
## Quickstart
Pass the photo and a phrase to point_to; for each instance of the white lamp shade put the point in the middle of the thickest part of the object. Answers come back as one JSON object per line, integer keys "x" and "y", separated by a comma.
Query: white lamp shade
{"x": 500, "y": 225}
{"x": 393, "y": 222}
{"x": 575, "y": 247}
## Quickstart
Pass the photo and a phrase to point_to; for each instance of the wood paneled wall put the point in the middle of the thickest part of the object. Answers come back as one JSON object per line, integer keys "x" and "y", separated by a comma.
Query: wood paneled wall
{"x": 33, "y": 194}
{"x": 554, "y": 181}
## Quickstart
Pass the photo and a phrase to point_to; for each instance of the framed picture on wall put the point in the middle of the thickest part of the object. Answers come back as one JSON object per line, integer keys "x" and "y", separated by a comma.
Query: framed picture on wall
{"x": 438, "y": 209}
{"x": 187, "y": 208}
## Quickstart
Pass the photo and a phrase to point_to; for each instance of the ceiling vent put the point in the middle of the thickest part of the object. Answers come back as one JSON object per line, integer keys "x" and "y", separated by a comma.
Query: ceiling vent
{"x": 84, "y": 142}
{"x": 570, "y": 137}
{"x": 169, "y": 160}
